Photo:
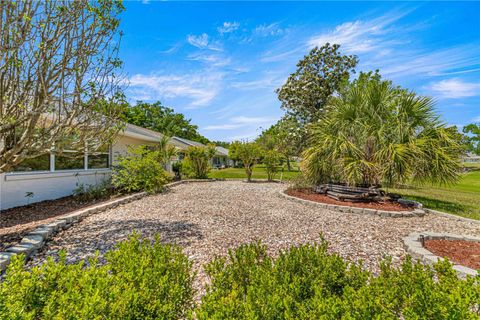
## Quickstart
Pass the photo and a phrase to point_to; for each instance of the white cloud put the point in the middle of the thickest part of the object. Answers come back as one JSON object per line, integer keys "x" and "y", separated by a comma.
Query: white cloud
{"x": 455, "y": 88}
{"x": 222, "y": 127}
{"x": 265, "y": 30}
{"x": 271, "y": 80}
{"x": 212, "y": 60}
{"x": 200, "y": 89}
{"x": 251, "y": 120}
{"x": 203, "y": 42}
{"x": 362, "y": 35}
{"x": 200, "y": 41}
{"x": 242, "y": 122}
{"x": 228, "y": 27}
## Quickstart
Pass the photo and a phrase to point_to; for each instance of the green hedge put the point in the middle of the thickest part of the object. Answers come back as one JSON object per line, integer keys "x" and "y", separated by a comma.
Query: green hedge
{"x": 144, "y": 280}
{"x": 307, "y": 282}
{"x": 138, "y": 281}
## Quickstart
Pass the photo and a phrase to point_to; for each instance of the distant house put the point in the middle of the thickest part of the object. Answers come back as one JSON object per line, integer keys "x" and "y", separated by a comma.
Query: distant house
{"x": 53, "y": 176}
{"x": 471, "y": 158}
{"x": 219, "y": 160}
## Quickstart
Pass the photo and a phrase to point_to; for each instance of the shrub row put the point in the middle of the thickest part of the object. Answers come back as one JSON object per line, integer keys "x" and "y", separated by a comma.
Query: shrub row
{"x": 144, "y": 280}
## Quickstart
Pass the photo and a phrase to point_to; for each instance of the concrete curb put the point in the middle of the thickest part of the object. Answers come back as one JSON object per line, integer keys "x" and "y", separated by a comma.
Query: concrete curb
{"x": 452, "y": 216}
{"x": 413, "y": 246}
{"x": 373, "y": 212}
{"x": 36, "y": 239}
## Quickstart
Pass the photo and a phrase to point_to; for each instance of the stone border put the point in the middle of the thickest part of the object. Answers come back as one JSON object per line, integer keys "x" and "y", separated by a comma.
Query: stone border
{"x": 36, "y": 239}
{"x": 451, "y": 216}
{"x": 374, "y": 212}
{"x": 414, "y": 247}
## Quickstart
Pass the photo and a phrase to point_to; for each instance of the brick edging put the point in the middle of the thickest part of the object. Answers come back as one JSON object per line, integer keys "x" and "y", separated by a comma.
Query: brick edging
{"x": 374, "y": 212}
{"x": 413, "y": 246}
{"x": 36, "y": 239}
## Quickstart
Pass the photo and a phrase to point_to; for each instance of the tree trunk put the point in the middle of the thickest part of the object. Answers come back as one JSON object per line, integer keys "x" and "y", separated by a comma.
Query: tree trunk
{"x": 288, "y": 164}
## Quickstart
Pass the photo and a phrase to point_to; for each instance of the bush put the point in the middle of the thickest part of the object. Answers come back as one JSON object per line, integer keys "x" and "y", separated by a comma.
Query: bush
{"x": 272, "y": 160}
{"x": 91, "y": 192}
{"x": 197, "y": 162}
{"x": 307, "y": 282}
{"x": 140, "y": 280}
{"x": 139, "y": 170}
{"x": 248, "y": 153}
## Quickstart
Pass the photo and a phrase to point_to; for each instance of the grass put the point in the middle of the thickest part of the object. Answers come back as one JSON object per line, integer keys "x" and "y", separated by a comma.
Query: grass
{"x": 258, "y": 173}
{"x": 462, "y": 199}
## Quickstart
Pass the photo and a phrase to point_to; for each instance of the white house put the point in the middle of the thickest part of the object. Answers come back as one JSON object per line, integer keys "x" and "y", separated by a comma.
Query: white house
{"x": 219, "y": 160}
{"x": 51, "y": 177}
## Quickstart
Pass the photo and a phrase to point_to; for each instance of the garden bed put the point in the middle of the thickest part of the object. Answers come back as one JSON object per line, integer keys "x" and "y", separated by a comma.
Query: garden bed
{"x": 312, "y": 196}
{"x": 465, "y": 253}
{"x": 16, "y": 222}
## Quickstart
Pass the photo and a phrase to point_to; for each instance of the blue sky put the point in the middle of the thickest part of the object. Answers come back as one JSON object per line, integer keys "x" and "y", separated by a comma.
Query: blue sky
{"x": 220, "y": 62}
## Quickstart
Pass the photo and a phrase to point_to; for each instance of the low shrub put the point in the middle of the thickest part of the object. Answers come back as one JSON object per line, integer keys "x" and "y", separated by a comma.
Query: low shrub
{"x": 139, "y": 170}
{"x": 139, "y": 280}
{"x": 197, "y": 162}
{"x": 307, "y": 282}
{"x": 272, "y": 160}
{"x": 89, "y": 192}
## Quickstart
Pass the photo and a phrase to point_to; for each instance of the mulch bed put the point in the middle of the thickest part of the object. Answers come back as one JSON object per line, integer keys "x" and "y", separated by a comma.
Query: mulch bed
{"x": 312, "y": 196}
{"x": 465, "y": 253}
{"x": 16, "y": 222}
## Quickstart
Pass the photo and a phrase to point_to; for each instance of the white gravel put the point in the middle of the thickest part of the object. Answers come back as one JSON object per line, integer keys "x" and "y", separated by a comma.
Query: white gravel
{"x": 207, "y": 219}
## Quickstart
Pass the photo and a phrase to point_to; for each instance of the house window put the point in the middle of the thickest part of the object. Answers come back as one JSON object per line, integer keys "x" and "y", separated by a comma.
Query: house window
{"x": 70, "y": 160}
{"x": 99, "y": 159}
{"x": 40, "y": 163}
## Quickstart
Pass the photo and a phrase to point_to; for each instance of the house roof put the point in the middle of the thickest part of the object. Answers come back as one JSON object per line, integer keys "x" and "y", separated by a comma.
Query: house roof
{"x": 221, "y": 151}
{"x": 189, "y": 142}
{"x": 134, "y": 131}
{"x": 149, "y": 135}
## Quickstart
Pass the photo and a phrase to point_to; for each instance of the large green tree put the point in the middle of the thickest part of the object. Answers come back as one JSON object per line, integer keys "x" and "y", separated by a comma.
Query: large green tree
{"x": 473, "y": 137}
{"x": 163, "y": 119}
{"x": 319, "y": 74}
{"x": 376, "y": 133}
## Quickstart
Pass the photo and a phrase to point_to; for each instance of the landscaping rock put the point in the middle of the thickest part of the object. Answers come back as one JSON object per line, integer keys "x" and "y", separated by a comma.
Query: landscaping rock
{"x": 35, "y": 240}
{"x": 207, "y": 220}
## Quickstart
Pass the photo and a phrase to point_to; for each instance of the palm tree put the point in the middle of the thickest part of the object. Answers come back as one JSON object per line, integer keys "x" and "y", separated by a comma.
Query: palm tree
{"x": 374, "y": 133}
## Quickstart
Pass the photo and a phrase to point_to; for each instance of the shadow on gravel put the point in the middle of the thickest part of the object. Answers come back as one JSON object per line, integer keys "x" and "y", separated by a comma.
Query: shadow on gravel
{"x": 101, "y": 236}
{"x": 181, "y": 232}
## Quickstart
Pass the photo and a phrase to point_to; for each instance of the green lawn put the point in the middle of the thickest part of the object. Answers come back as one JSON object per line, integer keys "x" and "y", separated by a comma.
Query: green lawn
{"x": 258, "y": 173}
{"x": 462, "y": 199}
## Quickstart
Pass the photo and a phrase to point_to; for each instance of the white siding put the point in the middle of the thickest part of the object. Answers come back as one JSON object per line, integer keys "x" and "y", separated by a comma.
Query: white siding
{"x": 53, "y": 185}
{"x": 44, "y": 185}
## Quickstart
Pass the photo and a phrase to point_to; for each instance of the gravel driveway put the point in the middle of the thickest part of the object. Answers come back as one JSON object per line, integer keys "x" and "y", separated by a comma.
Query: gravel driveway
{"x": 209, "y": 218}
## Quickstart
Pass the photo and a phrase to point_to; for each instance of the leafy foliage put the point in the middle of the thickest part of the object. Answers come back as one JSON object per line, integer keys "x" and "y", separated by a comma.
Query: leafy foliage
{"x": 91, "y": 192}
{"x": 375, "y": 133}
{"x": 140, "y": 170}
{"x": 139, "y": 280}
{"x": 271, "y": 160}
{"x": 319, "y": 74}
{"x": 157, "y": 117}
{"x": 307, "y": 282}
{"x": 287, "y": 136}
{"x": 247, "y": 152}
{"x": 197, "y": 162}
{"x": 473, "y": 130}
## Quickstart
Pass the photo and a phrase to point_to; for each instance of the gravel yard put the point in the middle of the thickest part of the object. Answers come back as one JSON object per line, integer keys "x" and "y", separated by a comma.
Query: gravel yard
{"x": 207, "y": 219}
